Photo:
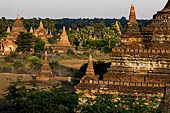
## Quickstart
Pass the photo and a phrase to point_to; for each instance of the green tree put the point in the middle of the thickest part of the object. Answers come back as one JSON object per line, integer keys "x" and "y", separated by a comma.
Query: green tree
{"x": 39, "y": 45}
{"x": 107, "y": 103}
{"x": 25, "y": 42}
{"x": 54, "y": 100}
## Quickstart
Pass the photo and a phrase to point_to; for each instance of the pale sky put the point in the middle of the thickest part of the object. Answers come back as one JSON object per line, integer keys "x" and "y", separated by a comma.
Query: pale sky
{"x": 79, "y": 8}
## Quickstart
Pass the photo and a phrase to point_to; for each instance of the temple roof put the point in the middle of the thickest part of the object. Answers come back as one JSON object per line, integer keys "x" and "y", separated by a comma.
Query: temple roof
{"x": 18, "y": 26}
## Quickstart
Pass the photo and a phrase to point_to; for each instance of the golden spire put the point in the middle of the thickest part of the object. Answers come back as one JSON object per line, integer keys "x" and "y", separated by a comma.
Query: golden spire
{"x": 90, "y": 69}
{"x": 41, "y": 25}
{"x": 18, "y": 16}
{"x": 8, "y": 30}
{"x": 118, "y": 27}
{"x": 64, "y": 31}
{"x": 132, "y": 16}
{"x": 31, "y": 30}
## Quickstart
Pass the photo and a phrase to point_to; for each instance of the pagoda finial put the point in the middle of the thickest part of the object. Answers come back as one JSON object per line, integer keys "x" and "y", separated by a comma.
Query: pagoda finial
{"x": 8, "y": 30}
{"x": 41, "y": 25}
{"x": 118, "y": 27}
{"x": 18, "y": 16}
{"x": 132, "y": 16}
{"x": 31, "y": 30}
{"x": 64, "y": 30}
{"x": 90, "y": 69}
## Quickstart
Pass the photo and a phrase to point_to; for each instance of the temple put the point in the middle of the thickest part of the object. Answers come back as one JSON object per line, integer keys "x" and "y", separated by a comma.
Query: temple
{"x": 63, "y": 44}
{"x": 45, "y": 72}
{"x": 132, "y": 36}
{"x": 140, "y": 64}
{"x": 8, "y": 44}
{"x": 42, "y": 33}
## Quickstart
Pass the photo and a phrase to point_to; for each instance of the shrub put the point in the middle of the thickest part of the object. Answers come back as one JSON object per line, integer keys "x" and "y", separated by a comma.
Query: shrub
{"x": 17, "y": 64}
{"x": 54, "y": 64}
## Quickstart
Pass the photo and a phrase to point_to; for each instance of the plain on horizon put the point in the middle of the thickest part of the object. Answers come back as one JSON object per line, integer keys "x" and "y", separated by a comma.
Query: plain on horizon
{"x": 79, "y": 8}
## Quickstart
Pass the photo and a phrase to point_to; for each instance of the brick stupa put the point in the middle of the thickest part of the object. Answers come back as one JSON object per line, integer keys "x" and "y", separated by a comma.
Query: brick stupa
{"x": 43, "y": 34}
{"x": 89, "y": 71}
{"x": 63, "y": 45}
{"x": 8, "y": 43}
{"x": 46, "y": 72}
{"x": 132, "y": 36}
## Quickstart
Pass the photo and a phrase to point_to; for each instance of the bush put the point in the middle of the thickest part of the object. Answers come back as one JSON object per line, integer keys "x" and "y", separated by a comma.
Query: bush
{"x": 54, "y": 64}
{"x": 34, "y": 60}
{"x": 107, "y": 50}
{"x": 17, "y": 64}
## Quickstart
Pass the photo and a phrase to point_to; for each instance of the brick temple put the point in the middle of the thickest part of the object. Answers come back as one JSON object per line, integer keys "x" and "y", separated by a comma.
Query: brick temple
{"x": 63, "y": 44}
{"x": 46, "y": 71}
{"x": 8, "y": 44}
{"x": 42, "y": 33}
{"x": 140, "y": 63}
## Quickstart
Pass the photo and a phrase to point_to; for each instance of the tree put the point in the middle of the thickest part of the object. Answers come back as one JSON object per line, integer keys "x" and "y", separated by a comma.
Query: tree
{"x": 107, "y": 103}
{"x": 39, "y": 45}
{"x": 25, "y": 42}
{"x": 54, "y": 100}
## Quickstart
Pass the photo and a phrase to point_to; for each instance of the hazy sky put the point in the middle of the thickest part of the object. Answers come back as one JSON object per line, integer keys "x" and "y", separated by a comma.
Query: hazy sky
{"x": 79, "y": 8}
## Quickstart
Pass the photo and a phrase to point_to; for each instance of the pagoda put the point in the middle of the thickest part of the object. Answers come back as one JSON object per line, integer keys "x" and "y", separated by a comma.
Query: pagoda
{"x": 157, "y": 32}
{"x": 42, "y": 33}
{"x": 141, "y": 67}
{"x": 89, "y": 76}
{"x": 132, "y": 36}
{"x": 8, "y": 44}
{"x": 63, "y": 44}
{"x": 45, "y": 72}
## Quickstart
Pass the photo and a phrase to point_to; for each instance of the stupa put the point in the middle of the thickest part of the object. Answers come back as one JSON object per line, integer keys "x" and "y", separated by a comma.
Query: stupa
{"x": 63, "y": 44}
{"x": 46, "y": 72}
{"x": 132, "y": 36}
{"x": 43, "y": 34}
{"x": 8, "y": 43}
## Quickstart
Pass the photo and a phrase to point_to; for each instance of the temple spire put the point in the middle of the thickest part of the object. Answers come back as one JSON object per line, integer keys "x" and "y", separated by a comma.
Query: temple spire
{"x": 118, "y": 27}
{"x": 18, "y": 16}
{"x": 8, "y": 30}
{"x": 41, "y": 25}
{"x": 90, "y": 69}
{"x": 64, "y": 30}
{"x": 45, "y": 69}
{"x": 132, "y": 16}
{"x": 31, "y": 30}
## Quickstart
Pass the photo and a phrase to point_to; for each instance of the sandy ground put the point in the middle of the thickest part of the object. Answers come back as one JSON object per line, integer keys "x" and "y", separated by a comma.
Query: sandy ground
{"x": 5, "y": 82}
